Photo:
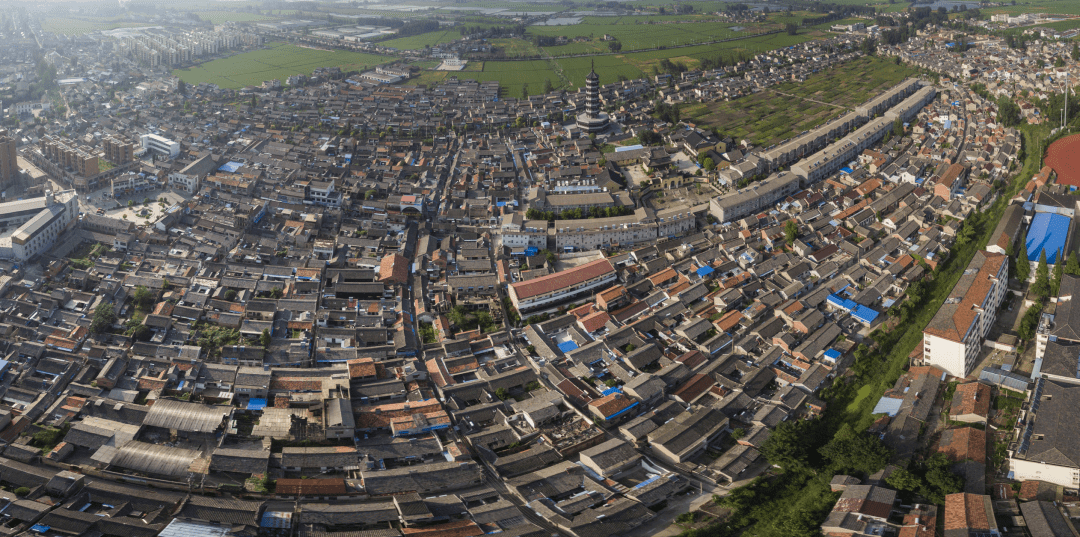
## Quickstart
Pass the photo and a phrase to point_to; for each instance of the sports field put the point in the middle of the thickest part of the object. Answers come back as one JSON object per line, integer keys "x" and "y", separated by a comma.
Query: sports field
{"x": 279, "y": 61}
{"x": 782, "y": 111}
{"x": 1064, "y": 157}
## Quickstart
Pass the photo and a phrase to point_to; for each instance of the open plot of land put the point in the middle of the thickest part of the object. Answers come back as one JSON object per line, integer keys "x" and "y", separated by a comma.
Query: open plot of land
{"x": 78, "y": 26}
{"x": 516, "y": 47}
{"x": 278, "y": 61}
{"x": 775, "y": 114}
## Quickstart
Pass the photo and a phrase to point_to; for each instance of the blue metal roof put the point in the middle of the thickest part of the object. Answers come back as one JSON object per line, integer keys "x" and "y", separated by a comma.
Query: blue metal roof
{"x": 704, "y": 271}
{"x": 567, "y": 346}
{"x": 1047, "y": 233}
{"x": 832, "y": 354}
{"x": 864, "y": 314}
{"x": 256, "y": 403}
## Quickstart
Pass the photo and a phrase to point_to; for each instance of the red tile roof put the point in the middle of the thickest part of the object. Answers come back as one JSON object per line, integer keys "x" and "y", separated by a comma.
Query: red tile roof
{"x": 562, "y": 279}
{"x": 394, "y": 268}
{"x": 965, "y": 511}
{"x": 971, "y": 398}
{"x": 362, "y": 367}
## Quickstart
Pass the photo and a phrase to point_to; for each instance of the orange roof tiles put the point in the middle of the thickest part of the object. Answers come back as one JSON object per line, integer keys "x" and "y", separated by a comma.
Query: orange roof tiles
{"x": 361, "y": 367}
{"x": 611, "y": 404}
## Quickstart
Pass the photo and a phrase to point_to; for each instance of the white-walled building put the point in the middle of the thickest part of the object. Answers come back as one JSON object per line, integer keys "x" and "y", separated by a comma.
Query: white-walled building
{"x": 40, "y": 221}
{"x": 160, "y": 145}
{"x": 954, "y": 336}
{"x": 1048, "y": 448}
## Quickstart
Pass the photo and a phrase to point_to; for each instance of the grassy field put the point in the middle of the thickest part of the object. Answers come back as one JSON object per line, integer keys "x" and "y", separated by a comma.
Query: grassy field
{"x": 278, "y": 61}
{"x": 66, "y": 26}
{"x": 417, "y": 42}
{"x": 633, "y": 36}
{"x": 770, "y": 116}
{"x": 1071, "y": 24}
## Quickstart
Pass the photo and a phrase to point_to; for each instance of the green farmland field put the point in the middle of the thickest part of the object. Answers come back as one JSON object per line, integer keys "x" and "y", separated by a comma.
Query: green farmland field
{"x": 278, "y": 61}
{"x": 417, "y": 42}
{"x": 767, "y": 117}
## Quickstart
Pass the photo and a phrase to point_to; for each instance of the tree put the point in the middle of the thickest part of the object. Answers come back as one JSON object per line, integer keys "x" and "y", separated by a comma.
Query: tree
{"x": 22, "y": 491}
{"x": 548, "y": 88}
{"x": 142, "y": 298}
{"x": 140, "y": 332}
{"x": 1041, "y": 287}
{"x": 230, "y": 295}
{"x": 1008, "y": 112}
{"x": 104, "y": 317}
{"x": 791, "y": 231}
{"x": 708, "y": 164}
{"x": 791, "y": 444}
{"x": 1023, "y": 266}
{"x": 1072, "y": 266}
{"x": 525, "y": 91}
{"x": 1075, "y": 52}
{"x": 181, "y": 87}
{"x": 275, "y": 292}
{"x": 370, "y": 193}
{"x": 791, "y": 28}
{"x": 860, "y": 452}
{"x": 265, "y": 338}
{"x": 1059, "y": 269}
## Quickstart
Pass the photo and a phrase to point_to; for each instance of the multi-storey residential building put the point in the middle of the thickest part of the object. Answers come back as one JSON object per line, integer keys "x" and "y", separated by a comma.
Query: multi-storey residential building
{"x": 118, "y": 150}
{"x": 954, "y": 336}
{"x": 755, "y": 198}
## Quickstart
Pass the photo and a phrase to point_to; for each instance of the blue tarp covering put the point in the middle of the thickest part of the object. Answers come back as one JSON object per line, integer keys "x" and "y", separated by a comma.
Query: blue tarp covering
{"x": 40, "y": 528}
{"x": 846, "y": 170}
{"x": 1047, "y": 233}
{"x": 567, "y": 346}
{"x": 256, "y": 403}
{"x": 832, "y": 354}
{"x": 531, "y": 251}
{"x": 231, "y": 167}
{"x": 611, "y": 390}
{"x": 704, "y": 271}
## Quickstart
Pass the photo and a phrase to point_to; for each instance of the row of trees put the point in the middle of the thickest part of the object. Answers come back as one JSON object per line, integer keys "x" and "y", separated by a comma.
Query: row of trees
{"x": 579, "y": 214}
